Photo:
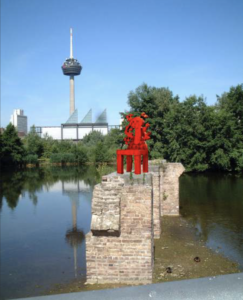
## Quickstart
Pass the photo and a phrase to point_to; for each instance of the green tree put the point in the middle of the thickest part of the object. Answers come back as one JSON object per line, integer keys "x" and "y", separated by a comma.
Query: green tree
{"x": 155, "y": 102}
{"x": 226, "y": 145}
{"x": 62, "y": 146}
{"x": 12, "y": 150}
{"x": 201, "y": 137}
{"x": 80, "y": 153}
{"x": 187, "y": 133}
{"x": 101, "y": 153}
{"x": 93, "y": 138}
{"x": 232, "y": 102}
{"x": 48, "y": 145}
{"x": 33, "y": 143}
{"x": 114, "y": 138}
{"x": 228, "y": 131}
{"x": 114, "y": 141}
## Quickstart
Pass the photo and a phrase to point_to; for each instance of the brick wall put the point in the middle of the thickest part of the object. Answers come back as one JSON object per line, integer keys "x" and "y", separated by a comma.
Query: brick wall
{"x": 170, "y": 173}
{"x": 126, "y": 216}
{"x": 127, "y": 256}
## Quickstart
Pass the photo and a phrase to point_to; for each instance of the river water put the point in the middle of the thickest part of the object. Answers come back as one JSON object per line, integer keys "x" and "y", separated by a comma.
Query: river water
{"x": 45, "y": 214}
{"x": 213, "y": 203}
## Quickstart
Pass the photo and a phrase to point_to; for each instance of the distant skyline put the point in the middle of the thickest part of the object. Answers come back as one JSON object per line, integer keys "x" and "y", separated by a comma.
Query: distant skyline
{"x": 189, "y": 46}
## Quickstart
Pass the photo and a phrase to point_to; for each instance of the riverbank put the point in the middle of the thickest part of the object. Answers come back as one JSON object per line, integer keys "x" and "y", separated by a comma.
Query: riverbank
{"x": 179, "y": 254}
{"x": 175, "y": 252}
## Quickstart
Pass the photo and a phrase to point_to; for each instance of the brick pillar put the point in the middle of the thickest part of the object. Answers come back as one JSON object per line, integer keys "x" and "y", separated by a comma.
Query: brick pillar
{"x": 120, "y": 249}
{"x": 156, "y": 204}
{"x": 170, "y": 173}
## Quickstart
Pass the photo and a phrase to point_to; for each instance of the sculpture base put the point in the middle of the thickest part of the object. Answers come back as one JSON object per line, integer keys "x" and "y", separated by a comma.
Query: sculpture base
{"x": 137, "y": 160}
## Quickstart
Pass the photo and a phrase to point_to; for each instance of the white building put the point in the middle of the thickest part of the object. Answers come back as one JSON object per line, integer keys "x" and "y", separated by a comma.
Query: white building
{"x": 74, "y": 130}
{"x": 19, "y": 120}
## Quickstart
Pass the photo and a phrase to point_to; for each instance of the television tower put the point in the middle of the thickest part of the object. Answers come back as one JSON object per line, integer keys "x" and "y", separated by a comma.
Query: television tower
{"x": 71, "y": 67}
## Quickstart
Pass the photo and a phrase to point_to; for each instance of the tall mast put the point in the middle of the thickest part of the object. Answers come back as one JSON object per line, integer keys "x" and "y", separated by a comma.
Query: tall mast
{"x": 71, "y": 68}
{"x": 71, "y": 42}
{"x": 71, "y": 81}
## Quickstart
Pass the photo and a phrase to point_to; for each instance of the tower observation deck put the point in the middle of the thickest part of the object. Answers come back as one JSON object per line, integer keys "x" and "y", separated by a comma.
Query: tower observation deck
{"x": 71, "y": 67}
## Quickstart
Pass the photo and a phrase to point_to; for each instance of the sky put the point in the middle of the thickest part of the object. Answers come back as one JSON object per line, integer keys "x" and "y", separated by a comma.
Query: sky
{"x": 189, "y": 46}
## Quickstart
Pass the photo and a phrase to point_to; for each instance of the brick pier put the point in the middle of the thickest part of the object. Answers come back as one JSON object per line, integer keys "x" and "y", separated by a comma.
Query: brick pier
{"x": 126, "y": 214}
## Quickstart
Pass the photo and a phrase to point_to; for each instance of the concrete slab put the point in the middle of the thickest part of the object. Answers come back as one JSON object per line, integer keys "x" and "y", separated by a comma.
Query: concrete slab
{"x": 225, "y": 287}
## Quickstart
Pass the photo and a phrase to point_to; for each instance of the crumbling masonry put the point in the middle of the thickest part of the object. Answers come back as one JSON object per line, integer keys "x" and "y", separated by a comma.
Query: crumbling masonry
{"x": 126, "y": 212}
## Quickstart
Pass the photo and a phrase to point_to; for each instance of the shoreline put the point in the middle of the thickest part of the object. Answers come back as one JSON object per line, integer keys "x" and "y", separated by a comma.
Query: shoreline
{"x": 176, "y": 249}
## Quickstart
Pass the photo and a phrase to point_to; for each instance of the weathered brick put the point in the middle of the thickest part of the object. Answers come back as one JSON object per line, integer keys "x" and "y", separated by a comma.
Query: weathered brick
{"x": 125, "y": 220}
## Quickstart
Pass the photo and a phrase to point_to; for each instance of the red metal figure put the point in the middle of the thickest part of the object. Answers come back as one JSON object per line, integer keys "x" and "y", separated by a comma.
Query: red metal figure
{"x": 136, "y": 135}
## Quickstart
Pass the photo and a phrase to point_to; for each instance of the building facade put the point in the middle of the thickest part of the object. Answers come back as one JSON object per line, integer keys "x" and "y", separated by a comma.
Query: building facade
{"x": 74, "y": 130}
{"x": 19, "y": 120}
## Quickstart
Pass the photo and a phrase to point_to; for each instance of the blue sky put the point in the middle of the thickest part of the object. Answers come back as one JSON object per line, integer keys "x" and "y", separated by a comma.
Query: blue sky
{"x": 189, "y": 46}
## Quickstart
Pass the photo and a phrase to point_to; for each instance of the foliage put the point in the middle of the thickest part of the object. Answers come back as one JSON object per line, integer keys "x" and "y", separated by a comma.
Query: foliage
{"x": 93, "y": 138}
{"x": 101, "y": 153}
{"x": 114, "y": 138}
{"x": 80, "y": 153}
{"x": 201, "y": 137}
{"x": 62, "y": 158}
{"x": 100, "y": 148}
{"x": 232, "y": 102}
{"x": 33, "y": 143}
{"x": 49, "y": 146}
{"x": 12, "y": 150}
{"x": 156, "y": 102}
{"x": 31, "y": 159}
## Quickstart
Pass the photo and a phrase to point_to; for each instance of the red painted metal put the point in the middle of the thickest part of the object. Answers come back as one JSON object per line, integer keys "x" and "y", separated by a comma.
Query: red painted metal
{"x": 136, "y": 135}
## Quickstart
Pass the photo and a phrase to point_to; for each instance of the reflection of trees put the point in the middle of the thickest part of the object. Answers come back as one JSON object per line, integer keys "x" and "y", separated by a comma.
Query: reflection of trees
{"x": 11, "y": 188}
{"x": 212, "y": 197}
{"x": 18, "y": 182}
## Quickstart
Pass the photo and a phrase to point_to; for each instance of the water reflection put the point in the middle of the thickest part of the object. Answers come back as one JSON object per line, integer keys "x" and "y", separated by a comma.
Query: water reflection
{"x": 74, "y": 235}
{"x": 214, "y": 204}
{"x": 45, "y": 214}
{"x": 13, "y": 185}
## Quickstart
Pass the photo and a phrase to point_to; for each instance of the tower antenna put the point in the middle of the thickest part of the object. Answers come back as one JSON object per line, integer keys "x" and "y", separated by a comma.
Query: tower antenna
{"x": 71, "y": 67}
{"x": 71, "y": 42}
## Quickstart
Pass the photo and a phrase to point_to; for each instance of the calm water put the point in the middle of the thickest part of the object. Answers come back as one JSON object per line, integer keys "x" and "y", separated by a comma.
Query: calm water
{"x": 214, "y": 204}
{"x": 45, "y": 214}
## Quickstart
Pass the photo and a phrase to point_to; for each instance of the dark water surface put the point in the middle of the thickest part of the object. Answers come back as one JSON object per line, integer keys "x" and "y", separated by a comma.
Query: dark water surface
{"x": 213, "y": 203}
{"x": 45, "y": 214}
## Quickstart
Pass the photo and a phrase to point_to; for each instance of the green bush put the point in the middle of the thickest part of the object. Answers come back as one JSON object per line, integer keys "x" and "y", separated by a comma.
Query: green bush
{"x": 80, "y": 154}
{"x": 12, "y": 151}
{"x": 62, "y": 158}
{"x": 56, "y": 158}
{"x": 68, "y": 157}
{"x": 101, "y": 153}
{"x": 31, "y": 159}
{"x": 93, "y": 138}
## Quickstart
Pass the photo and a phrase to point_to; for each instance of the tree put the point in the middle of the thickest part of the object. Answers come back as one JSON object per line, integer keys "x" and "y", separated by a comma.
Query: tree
{"x": 12, "y": 150}
{"x": 48, "y": 145}
{"x": 93, "y": 138}
{"x": 80, "y": 153}
{"x": 33, "y": 143}
{"x": 232, "y": 102}
{"x": 201, "y": 137}
{"x": 228, "y": 132}
{"x": 101, "y": 153}
{"x": 187, "y": 133}
{"x": 155, "y": 102}
{"x": 114, "y": 138}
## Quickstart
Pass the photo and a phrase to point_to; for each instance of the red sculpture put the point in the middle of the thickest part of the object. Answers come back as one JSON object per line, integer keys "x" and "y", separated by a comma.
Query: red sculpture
{"x": 136, "y": 135}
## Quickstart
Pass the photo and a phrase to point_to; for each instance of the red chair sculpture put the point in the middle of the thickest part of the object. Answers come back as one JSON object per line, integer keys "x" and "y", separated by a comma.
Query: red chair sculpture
{"x": 136, "y": 135}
